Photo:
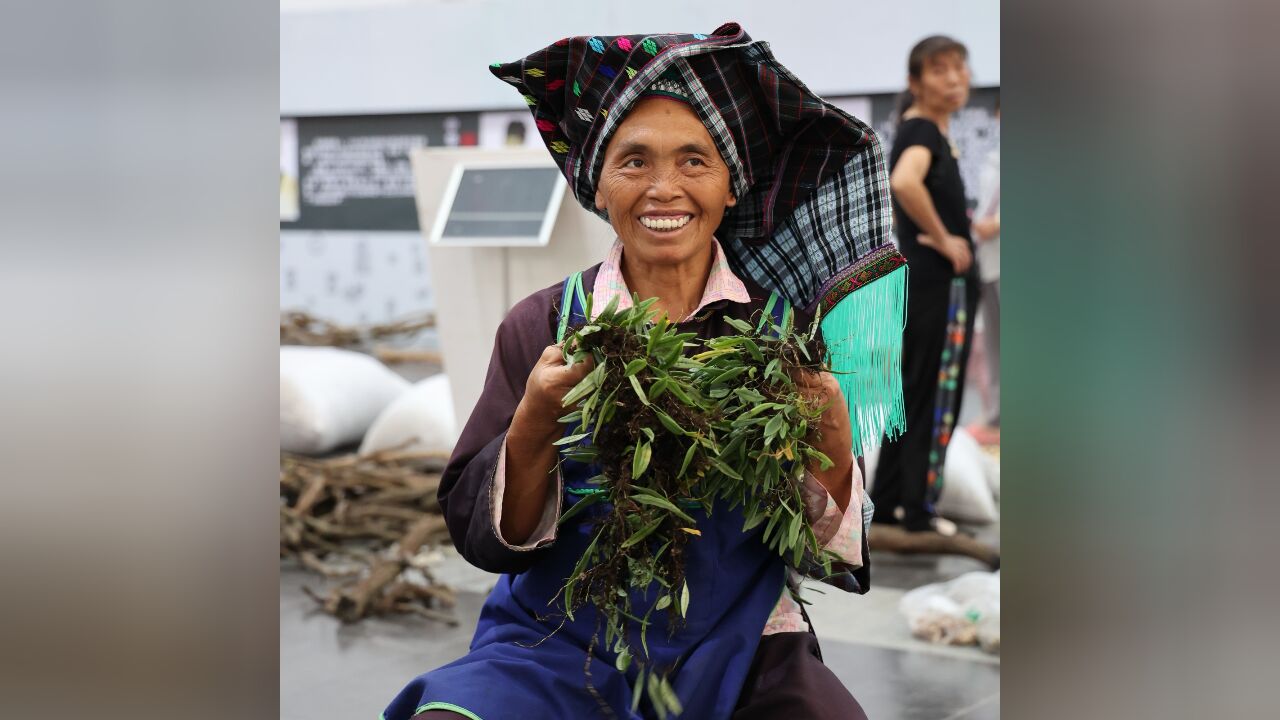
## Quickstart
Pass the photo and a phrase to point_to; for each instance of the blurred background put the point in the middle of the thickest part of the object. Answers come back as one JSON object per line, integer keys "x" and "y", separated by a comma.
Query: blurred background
{"x": 388, "y": 114}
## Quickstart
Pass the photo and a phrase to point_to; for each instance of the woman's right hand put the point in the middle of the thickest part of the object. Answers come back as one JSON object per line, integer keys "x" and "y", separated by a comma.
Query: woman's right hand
{"x": 549, "y": 381}
{"x": 954, "y": 248}
{"x": 531, "y": 454}
{"x": 959, "y": 254}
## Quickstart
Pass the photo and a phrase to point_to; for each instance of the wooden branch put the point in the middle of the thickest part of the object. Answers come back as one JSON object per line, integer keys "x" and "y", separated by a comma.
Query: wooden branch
{"x": 892, "y": 538}
{"x": 396, "y": 356}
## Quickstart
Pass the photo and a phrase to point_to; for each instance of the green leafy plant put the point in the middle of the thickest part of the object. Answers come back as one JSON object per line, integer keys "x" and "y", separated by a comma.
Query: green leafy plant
{"x": 671, "y": 435}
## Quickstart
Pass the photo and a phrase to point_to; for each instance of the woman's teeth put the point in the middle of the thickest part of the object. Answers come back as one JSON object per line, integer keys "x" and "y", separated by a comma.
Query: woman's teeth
{"x": 665, "y": 223}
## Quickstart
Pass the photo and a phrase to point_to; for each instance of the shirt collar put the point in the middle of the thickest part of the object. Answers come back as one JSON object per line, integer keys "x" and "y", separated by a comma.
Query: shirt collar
{"x": 722, "y": 283}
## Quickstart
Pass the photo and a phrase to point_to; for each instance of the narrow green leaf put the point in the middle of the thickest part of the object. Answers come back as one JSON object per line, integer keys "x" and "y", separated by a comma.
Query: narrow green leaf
{"x": 577, "y": 571}
{"x": 673, "y": 701}
{"x": 672, "y": 355}
{"x": 583, "y": 503}
{"x": 723, "y": 467}
{"x": 665, "y": 504}
{"x": 607, "y": 409}
{"x": 642, "y": 533}
{"x": 773, "y": 427}
{"x": 579, "y": 391}
{"x": 684, "y": 599}
{"x": 739, "y": 325}
{"x": 635, "y": 366}
{"x": 682, "y": 396}
{"x": 644, "y": 632}
{"x": 663, "y": 603}
{"x": 623, "y": 661}
{"x": 659, "y": 387}
{"x": 582, "y": 454}
{"x": 639, "y": 390}
{"x": 773, "y": 522}
{"x": 639, "y": 690}
{"x": 655, "y": 695}
{"x": 570, "y": 439}
{"x": 728, "y": 375}
{"x": 688, "y": 458}
{"x": 667, "y": 422}
{"x": 640, "y": 460}
{"x": 824, "y": 462}
{"x": 610, "y": 310}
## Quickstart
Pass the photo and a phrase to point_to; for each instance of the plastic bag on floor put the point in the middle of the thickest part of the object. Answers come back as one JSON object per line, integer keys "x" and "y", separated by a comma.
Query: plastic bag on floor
{"x": 963, "y": 611}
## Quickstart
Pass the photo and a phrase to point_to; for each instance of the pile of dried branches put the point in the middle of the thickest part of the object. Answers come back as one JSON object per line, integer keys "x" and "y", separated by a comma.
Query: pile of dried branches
{"x": 369, "y": 520}
{"x": 300, "y": 328}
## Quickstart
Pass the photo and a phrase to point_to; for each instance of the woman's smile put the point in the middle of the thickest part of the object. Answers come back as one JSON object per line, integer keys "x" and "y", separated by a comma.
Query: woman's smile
{"x": 665, "y": 223}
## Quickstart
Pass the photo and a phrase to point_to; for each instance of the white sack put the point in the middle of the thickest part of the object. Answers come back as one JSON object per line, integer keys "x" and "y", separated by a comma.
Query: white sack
{"x": 420, "y": 420}
{"x": 329, "y": 397}
{"x": 971, "y": 480}
{"x": 966, "y": 492}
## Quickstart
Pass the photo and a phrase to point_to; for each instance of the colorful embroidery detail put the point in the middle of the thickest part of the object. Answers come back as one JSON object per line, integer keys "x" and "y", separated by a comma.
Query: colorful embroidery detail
{"x": 875, "y": 265}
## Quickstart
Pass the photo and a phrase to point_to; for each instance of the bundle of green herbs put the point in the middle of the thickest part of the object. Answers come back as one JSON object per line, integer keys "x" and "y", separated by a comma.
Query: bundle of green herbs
{"x": 672, "y": 434}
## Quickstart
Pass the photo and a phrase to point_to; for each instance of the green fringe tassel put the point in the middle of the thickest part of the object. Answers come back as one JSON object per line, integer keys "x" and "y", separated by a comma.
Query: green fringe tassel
{"x": 863, "y": 333}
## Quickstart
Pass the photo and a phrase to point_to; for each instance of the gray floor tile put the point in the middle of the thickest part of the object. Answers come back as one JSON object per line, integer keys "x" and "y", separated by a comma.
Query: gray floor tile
{"x": 331, "y": 670}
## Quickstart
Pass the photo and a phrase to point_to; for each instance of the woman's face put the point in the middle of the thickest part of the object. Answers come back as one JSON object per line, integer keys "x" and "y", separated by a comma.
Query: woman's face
{"x": 943, "y": 83}
{"x": 663, "y": 183}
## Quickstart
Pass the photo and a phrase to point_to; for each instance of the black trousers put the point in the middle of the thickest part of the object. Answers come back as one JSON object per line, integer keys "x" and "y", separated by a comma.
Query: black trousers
{"x": 902, "y": 475}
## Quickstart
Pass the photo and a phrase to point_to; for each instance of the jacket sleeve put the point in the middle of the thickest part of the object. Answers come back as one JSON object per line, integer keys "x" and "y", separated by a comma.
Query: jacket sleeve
{"x": 842, "y": 533}
{"x": 466, "y": 491}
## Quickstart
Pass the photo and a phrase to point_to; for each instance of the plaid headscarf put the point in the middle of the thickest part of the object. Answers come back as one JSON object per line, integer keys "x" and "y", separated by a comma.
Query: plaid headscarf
{"x": 813, "y": 220}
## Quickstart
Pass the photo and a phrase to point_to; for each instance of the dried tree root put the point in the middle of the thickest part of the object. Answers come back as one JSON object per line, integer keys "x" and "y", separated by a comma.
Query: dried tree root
{"x": 395, "y": 356}
{"x": 366, "y": 517}
{"x": 892, "y": 538}
{"x": 300, "y": 328}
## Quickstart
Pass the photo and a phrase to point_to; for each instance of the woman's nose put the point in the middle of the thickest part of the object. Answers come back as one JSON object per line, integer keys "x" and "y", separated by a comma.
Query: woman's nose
{"x": 664, "y": 185}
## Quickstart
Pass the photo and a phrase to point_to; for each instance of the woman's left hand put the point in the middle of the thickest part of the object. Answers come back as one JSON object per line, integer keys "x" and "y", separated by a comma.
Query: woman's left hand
{"x": 832, "y": 435}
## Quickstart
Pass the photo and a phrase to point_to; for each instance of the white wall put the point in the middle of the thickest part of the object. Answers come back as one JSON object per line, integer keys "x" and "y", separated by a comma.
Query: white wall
{"x": 371, "y": 56}
{"x": 356, "y": 278}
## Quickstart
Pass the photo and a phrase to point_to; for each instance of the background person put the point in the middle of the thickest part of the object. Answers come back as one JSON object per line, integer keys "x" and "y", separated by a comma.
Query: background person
{"x": 933, "y": 233}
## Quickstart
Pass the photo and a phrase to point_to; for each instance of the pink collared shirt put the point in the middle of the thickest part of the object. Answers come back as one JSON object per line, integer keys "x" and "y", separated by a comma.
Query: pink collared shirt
{"x": 722, "y": 284}
{"x": 839, "y": 532}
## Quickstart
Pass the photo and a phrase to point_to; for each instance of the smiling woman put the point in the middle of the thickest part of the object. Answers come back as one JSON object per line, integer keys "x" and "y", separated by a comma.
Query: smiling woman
{"x": 730, "y": 203}
{"x": 665, "y": 188}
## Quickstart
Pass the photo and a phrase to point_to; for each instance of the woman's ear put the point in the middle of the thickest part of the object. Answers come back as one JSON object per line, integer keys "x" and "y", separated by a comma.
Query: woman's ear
{"x": 599, "y": 200}
{"x": 733, "y": 200}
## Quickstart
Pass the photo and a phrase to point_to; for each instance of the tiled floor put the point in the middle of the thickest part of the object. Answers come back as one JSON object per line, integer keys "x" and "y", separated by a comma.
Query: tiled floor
{"x": 329, "y": 670}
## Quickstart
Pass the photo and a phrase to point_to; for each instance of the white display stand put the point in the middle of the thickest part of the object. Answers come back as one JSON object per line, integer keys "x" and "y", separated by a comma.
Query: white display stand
{"x": 476, "y": 286}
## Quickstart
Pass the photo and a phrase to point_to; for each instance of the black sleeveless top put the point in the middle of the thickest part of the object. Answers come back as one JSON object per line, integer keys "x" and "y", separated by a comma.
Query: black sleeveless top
{"x": 945, "y": 187}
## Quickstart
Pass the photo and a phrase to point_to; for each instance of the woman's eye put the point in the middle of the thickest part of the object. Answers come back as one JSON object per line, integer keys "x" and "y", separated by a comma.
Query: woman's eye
{"x": 696, "y": 161}
{"x": 633, "y": 163}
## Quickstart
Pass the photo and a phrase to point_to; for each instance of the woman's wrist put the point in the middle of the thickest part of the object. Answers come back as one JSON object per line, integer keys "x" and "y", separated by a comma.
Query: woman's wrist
{"x": 532, "y": 426}
{"x": 837, "y": 480}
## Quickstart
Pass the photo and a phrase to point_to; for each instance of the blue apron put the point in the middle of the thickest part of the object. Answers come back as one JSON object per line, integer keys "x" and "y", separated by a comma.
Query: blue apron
{"x": 527, "y": 661}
